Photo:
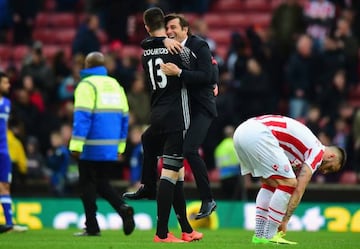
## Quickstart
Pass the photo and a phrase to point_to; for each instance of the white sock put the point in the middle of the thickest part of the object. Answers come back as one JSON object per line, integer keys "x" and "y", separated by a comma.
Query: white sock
{"x": 277, "y": 209}
{"x": 262, "y": 204}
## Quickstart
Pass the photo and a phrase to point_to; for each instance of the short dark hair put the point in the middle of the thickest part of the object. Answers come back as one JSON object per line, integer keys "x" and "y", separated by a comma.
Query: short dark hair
{"x": 3, "y": 75}
{"x": 342, "y": 156}
{"x": 154, "y": 19}
{"x": 182, "y": 20}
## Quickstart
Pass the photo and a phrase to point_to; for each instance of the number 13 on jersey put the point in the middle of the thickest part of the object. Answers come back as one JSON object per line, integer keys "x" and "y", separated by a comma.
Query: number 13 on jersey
{"x": 157, "y": 76}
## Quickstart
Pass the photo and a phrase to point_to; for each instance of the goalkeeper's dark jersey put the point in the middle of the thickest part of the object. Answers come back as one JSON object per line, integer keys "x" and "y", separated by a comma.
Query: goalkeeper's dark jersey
{"x": 169, "y": 99}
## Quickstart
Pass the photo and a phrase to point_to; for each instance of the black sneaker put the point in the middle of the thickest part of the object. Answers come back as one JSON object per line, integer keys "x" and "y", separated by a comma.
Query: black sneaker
{"x": 127, "y": 215}
{"x": 5, "y": 228}
{"x": 206, "y": 209}
{"x": 141, "y": 193}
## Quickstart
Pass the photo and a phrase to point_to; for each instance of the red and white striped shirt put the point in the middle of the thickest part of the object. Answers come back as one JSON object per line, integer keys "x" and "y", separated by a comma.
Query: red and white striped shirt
{"x": 299, "y": 143}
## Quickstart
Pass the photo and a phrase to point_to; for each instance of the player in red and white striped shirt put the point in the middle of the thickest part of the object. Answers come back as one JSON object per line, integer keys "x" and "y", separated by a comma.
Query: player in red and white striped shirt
{"x": 285, "y": 154}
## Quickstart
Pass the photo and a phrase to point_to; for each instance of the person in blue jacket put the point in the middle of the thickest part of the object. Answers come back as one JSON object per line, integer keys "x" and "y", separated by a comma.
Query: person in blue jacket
{"x": 100, "y": 128}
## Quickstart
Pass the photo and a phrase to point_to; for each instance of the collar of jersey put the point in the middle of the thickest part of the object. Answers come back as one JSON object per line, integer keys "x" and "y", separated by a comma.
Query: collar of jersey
{"x": 101, "y": 70}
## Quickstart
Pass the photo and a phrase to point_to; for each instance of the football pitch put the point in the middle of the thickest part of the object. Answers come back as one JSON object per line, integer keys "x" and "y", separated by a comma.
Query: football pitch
{"x": 219, "y": 239}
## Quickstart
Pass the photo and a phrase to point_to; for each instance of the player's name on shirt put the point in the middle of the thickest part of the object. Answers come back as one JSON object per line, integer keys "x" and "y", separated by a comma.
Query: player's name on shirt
{"x": 155, "y": 51}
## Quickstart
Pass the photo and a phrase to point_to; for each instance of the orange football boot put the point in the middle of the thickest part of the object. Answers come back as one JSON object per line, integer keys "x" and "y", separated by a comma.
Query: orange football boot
{"x": 169, "y": 239}
{"x": 193, "y": 236}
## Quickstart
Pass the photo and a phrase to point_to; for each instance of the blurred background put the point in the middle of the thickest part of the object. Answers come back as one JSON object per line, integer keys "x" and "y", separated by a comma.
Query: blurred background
{"x": 293, "y": 57}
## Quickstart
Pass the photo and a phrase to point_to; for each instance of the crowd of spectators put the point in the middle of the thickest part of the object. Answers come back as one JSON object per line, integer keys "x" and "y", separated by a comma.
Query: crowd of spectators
{"x": 304, "y": 65}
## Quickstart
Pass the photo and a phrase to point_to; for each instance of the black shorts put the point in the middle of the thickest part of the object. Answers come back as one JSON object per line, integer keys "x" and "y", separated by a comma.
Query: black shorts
{"x": 163, "y": 143}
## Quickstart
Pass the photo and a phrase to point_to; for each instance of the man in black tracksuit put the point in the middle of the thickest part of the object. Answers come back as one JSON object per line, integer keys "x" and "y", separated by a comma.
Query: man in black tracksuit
{"x": 200, "y": 80}
{"x": 168, "y": 123}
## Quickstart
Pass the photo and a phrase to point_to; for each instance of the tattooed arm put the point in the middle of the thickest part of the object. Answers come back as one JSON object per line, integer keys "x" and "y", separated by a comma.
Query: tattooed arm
{"x": 303, "y": 179}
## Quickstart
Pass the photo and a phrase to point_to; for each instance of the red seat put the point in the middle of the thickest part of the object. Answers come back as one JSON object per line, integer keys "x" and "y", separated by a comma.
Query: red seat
{"x": 260, "y": 19}
{"x": 355, "y": 103}
{"x": 276, "y": 3}
{"x": 354, "y": 92}
{"x": 222, "y": 51}
{"x": 64, "y": 36}
{"x": 42, "y": 20}
{"x": 354, "y": 96}
{"x": 228, "y": 5}
{"x": 257, "y": 5}
{"x": 233, "y": 20}
{"x": 348, "y": 177}
{"x": 102, "y": 36}
{"x": 214, "y": 20}
{"x": 220, "y": 36}
{"x": 54, "y": 35}
{"x": 44, "y": 35}
{"x": 131, "y": 50}
{"x": 60, "y": 20}
{"x": 237, "y": 21}
{"x": 49, "y": 5}
{"x": 50, "y": 50}
{"x": 191, "y": 17}
{"x": 5, "y": 52}
{"x": 20, "y": 51}
{"x": 64, "y": 20}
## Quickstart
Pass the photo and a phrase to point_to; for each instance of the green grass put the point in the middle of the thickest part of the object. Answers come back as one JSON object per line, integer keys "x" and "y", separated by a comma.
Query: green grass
{"x": 220, "y": 239}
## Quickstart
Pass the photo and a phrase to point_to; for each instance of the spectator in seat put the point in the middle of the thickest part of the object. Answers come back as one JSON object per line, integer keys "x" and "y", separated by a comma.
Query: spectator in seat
{"x": 35, "y": 95}
{"x": 58, "y": 161}
{"x": 23, "y": 16}
{"x": 333, "y": 96}
{"x": 301, "y": 77}
{"x": 139, "y": 100}
{"x": 356, "y": 136}
{"x": 35, "y": 160}
{"x": 287, "y": 23}
{"x": 255, "y": 91}
{"x": 347, "y": 42}
{"x": 86, "y": 39}
{"x": 331, "y": 60}
{"x": 319, "y": 17}
{"x": 26, "y": 111}
{"x": 41, "y": 73}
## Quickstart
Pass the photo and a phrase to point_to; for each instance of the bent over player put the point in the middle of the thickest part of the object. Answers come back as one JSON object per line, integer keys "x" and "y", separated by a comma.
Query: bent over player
{"x": 285, "y": 154}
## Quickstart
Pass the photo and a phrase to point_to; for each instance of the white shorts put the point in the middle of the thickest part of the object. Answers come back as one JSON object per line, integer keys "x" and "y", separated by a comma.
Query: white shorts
{"x": 259, "y": 151}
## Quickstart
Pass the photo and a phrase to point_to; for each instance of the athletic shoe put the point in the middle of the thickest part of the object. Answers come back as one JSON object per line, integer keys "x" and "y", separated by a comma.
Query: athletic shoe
{"x": 5, "y": 228}
{"x": 206, "y": 209}
{"x": 193, "y": 236}
{"x": 127, "y": 215}
{"x": 13, "y": 228}
{"x": 169, "y": 239}
{"x": 257, "y": 240}
{"x": 142, "y": 193}
{"x": 279, "y": 239}
{"x": 20, "y": 229}
{"x": 85, "y": 234}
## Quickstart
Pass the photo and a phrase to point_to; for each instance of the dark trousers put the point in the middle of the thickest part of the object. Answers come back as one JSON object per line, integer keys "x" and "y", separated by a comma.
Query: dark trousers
{"x": 153, "y": 145}
{"x": 94, "y": 180}
{"x": 195, "y": 136}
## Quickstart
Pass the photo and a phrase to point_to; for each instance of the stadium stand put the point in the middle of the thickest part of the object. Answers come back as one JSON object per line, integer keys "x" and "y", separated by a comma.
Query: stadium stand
{"x": 56, "y": 31}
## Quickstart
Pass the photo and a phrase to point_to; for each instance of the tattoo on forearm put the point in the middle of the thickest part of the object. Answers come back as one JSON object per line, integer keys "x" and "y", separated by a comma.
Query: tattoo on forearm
{"x": 291, "y": 208}
{"x": 298, "y": 193}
